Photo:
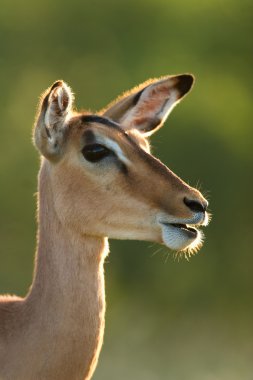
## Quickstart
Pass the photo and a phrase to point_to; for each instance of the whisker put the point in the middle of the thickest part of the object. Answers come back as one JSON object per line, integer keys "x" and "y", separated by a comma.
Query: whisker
{"x": 167, "y": 256}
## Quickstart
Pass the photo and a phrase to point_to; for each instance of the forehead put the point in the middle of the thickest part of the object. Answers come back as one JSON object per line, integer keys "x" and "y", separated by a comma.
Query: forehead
{"x": 84, "y": 128}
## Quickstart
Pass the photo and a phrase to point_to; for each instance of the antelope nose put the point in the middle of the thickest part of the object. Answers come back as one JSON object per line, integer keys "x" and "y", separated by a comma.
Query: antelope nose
{"x": 196, "y": 206}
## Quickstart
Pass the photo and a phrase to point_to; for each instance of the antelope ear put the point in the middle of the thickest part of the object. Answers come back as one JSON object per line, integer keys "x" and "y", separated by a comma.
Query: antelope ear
{"x": 53, "y": 113}
{"x": 147, "y": 107}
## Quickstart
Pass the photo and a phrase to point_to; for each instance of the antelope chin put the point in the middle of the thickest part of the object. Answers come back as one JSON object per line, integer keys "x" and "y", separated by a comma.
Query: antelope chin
{"x": 181, "y": 237}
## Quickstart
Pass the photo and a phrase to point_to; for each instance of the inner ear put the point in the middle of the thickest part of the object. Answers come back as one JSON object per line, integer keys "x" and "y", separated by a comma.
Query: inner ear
{"x": 147, "y": 107}
{"x": 50, "y": 127}
{"x": 59, "y": 104}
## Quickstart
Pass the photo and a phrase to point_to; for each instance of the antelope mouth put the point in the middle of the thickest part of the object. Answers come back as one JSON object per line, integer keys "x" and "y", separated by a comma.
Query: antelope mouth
{"x": 192, "y": 231}
{"x": 182, "y": 236}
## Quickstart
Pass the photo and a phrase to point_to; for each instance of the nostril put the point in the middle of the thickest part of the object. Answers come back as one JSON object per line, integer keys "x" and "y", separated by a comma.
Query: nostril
{"x": 194, "y": 205}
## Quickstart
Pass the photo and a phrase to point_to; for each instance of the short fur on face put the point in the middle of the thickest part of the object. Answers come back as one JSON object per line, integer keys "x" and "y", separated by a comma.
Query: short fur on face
{"x": 130, "y": 193}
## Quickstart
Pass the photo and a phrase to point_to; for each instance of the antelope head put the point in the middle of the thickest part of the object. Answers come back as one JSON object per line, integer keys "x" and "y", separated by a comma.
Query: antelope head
{"x": 105, "y": 181}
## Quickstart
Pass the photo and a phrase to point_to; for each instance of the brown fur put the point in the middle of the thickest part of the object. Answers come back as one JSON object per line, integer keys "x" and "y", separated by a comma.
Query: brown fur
{"x": 56, "y": 331}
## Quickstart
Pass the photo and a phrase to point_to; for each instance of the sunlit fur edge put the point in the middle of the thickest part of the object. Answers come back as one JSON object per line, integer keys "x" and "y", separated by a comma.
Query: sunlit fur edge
{"x": 192, "y": 249}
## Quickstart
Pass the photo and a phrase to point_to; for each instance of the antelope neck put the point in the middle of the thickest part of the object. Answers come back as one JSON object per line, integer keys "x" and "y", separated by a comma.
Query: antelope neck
{"x": 67, "y": 294}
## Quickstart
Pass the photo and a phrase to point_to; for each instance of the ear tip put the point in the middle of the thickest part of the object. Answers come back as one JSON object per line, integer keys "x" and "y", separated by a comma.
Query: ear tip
{"x": 184, "y": 83}
{"x": 59, "y": 83}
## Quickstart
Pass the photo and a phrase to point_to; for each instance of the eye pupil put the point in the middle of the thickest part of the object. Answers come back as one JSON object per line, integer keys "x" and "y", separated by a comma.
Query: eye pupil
{"x": 95, "y": 152}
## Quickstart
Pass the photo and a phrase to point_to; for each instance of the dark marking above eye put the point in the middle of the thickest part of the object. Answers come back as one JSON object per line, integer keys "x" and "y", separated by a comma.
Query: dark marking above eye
{"x": 89, "y": 137}
{"x": 106, "y": 122}
{"x": 100, "y": 120}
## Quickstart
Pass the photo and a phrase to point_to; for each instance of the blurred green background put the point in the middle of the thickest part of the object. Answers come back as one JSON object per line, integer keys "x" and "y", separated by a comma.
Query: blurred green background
{"x": 165, "y": 319}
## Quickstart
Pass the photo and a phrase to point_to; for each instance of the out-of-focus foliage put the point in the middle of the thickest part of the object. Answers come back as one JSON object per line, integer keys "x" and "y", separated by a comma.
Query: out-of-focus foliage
{"x": 165, "y": 320}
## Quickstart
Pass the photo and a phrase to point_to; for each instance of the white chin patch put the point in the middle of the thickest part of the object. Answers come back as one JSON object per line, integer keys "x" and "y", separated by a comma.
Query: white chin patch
{"x": 180, "y": 240}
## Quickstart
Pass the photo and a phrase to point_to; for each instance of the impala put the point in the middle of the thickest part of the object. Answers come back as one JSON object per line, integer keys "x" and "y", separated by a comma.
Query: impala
{"x": 97, "y": 180}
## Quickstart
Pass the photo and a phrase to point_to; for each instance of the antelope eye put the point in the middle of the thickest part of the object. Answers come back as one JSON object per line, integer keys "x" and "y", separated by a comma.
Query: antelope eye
{"x": 95, "y": 152}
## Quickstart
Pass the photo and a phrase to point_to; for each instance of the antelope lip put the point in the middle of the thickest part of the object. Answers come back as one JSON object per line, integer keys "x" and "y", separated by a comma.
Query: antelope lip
{"x": 191, "y": 231}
